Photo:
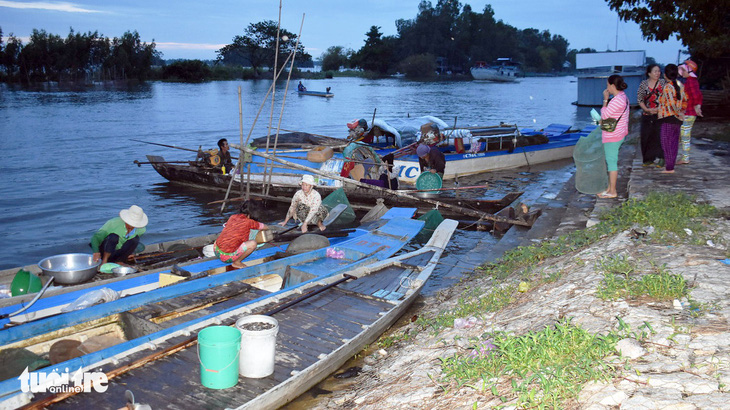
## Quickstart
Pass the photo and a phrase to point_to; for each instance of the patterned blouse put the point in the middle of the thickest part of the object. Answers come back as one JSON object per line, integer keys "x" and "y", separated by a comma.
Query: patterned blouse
{"x": 670, "y": 104}
{"x": 650, "y": 96}
{"x": 313, "y": 201}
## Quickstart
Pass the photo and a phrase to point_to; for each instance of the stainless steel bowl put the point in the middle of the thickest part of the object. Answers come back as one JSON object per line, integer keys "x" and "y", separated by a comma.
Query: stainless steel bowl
{"x": 123, "y": 270}
{"x": 70, "y": 268}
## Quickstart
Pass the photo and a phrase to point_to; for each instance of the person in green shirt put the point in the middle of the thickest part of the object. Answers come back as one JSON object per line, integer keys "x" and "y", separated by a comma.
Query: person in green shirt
{"x": 119, "y": 237}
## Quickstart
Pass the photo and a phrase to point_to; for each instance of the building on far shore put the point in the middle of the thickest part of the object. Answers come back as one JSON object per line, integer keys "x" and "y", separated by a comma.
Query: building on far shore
{"x": 595, "y": 68}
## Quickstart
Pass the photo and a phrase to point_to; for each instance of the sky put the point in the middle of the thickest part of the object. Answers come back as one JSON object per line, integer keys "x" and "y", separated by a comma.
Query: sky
{"x": 195, "y": 29}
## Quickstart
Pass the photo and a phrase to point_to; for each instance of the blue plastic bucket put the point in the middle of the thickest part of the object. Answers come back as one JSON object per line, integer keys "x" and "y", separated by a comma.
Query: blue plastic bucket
{"x": 218, "y": 350}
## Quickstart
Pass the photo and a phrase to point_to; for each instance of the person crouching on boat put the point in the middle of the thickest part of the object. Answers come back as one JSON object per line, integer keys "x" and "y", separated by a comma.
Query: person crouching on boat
{"x": 306, "y": 206}
{"x": 301, "y": 87}
{"x": 119, "y": 237}
{"x": 233, "y": 244}
{"x": 431, "y": 159}
{"x": 225, "y": 154}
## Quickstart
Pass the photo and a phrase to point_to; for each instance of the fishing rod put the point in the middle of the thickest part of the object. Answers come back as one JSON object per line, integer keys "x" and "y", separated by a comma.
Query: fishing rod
{"x": 171, "y": 146}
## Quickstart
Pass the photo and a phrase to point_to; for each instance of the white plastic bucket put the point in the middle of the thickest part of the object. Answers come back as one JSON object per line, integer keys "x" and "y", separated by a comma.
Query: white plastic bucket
{"x": 258, "y": 347}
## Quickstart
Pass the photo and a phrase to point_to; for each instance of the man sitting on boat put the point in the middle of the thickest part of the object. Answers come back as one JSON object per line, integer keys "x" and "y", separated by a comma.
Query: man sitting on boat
{"x": 226, "y": 165}
{"x": 431, "y": 159}
{"x": 233, "y": 244}
{"x": 119, "y": 237}
{"x": 301, "y": 87}
{"x": 359, "y": 132}
{"x": 306, "y": 206}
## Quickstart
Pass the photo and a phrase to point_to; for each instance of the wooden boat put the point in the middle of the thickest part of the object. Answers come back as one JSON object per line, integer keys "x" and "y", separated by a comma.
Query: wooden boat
{"x": 375, "y": 245}
{"x": 502, "y": 71}
{"x": 501, "y": 148}
{"x": 285, "y": 182}
{"x": 321, "y": 325}
{"x": 317, "y": 93}
{"x": 132, "y": 321}
{"x": 186, "y": 253}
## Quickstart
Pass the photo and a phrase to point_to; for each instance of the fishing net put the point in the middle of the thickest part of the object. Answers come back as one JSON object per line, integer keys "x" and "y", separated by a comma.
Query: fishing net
{"x": 590, "y": 162}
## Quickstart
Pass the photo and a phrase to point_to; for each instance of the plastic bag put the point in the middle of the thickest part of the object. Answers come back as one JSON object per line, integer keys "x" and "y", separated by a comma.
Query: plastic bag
{"x": 335, "y": 253}
{"x": 92, "y": 298}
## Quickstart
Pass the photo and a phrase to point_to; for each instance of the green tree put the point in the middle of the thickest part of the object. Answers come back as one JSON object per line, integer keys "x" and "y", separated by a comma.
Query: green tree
{"x": 130, "y": 57}
{"x": 701, "y": 25}
{"x": 377, "y": 53}
{"x": 256, "y": 47}
{"x": 419, "y": 66}
{"x": 335, "y": 57}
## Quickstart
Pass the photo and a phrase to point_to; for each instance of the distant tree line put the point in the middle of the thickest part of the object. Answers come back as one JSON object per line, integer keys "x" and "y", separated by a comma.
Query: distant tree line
{"x": 78, "y": 57}
{"x": 449, "y": 37}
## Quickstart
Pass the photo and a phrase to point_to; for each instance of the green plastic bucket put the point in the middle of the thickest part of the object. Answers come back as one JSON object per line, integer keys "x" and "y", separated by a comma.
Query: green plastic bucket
{"x": 218, "y": 350}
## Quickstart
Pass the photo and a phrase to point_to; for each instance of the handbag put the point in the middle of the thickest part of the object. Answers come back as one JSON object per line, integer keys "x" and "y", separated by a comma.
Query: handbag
{"x": 609, "y": 124}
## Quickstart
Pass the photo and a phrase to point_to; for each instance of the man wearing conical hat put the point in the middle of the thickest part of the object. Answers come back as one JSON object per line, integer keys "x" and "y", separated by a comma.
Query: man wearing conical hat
{"x": 118, "y": 238}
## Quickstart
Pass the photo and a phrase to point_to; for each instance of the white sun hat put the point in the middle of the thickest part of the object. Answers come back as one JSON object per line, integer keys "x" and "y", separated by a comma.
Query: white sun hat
{"x": 134, "y": 216}
{"x": 308, "y": 179}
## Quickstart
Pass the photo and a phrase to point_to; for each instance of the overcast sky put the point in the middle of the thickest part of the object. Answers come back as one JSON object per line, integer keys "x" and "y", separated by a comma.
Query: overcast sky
{"x": 196, "y": 29}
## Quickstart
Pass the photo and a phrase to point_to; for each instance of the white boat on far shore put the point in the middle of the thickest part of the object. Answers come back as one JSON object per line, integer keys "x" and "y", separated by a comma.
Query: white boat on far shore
{"x": 503, "y": 70}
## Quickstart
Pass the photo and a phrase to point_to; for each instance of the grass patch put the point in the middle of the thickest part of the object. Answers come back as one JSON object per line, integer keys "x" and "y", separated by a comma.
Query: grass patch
{"x": 539, "y": 369}
{"x": 668, "y": 213}
{"x": 622, "y": 280}
{"x": 472, "y": 303}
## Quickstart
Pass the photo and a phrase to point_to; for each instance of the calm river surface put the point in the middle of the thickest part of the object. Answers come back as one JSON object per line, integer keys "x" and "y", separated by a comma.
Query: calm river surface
{"x": 68, "y": 159}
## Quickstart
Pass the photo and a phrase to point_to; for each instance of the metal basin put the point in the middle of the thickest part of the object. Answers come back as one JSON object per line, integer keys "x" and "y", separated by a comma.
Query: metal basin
{"x": 428, "y": 195}
{"x": 123, "y": 270}
{"x": 70, "y": 268}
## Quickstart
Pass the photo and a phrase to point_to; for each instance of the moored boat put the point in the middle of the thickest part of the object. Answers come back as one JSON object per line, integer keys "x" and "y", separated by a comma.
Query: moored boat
{"x": 123, "y": 323}
{"x": 320, "y": 326}
{"x": 503, "y": 70}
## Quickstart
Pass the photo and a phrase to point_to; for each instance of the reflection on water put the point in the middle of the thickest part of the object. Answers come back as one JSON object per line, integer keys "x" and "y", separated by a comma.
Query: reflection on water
{"x": 68, "y": 159}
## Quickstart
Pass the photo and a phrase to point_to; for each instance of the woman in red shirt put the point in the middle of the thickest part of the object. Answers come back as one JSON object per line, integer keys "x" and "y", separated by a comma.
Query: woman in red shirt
{"x": 233, "y": 244}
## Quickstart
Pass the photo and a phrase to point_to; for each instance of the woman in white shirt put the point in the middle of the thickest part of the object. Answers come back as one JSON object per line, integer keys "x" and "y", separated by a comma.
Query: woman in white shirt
{"x": 306, "y": 206}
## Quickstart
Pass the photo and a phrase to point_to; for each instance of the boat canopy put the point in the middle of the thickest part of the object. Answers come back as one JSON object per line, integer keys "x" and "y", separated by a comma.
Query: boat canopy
{"x": 610, "y": 59}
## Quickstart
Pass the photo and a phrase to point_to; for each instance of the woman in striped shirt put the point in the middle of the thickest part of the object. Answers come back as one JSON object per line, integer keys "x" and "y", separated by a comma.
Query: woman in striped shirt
{"x": 672, "y": 104}
{"x": 694, "y": 107}
{"x": 617, "y": 108}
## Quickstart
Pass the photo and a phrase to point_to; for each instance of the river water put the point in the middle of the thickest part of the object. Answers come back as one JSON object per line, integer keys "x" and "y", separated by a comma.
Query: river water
{"x": 68, "y": 156}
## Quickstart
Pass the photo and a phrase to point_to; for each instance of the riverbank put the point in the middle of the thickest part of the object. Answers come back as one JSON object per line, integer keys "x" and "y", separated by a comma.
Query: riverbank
{"x": 454, "y": 349}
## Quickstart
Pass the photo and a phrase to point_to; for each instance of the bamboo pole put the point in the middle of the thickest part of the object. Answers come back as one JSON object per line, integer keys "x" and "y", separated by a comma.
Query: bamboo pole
{"x": 283, "y": 101}
{"x": 465, "y": 211}
{"x": 273, "y": 94}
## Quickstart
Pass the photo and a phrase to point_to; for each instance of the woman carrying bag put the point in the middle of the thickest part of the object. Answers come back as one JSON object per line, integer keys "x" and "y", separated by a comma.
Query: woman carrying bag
{"x": 615, "y": 127}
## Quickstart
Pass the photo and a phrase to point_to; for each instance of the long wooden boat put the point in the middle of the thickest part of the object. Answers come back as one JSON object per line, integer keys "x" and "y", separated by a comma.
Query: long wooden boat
{"x": 317, "y": 93}
{"x": 285, "y": 182}
{"x": 320, "y": 326}
{"x": 184, "y": 253}
{"x": 130, "y": 322}
{"x": 387, "y": 239}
